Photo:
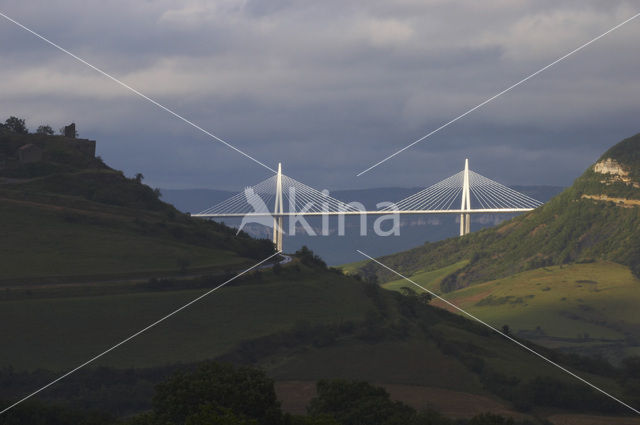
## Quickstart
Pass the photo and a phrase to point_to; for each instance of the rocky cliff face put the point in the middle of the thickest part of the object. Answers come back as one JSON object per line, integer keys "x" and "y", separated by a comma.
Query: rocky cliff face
{"x": 610, "y": 166}
{"x": 616, "y": 175}
{"x": 614, "y": 172}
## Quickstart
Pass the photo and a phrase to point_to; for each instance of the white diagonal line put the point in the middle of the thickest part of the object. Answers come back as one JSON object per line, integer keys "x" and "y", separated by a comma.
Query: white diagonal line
{"x": 128, "y": 87}
{"x": 501, "y": 333}
{"x": 499, "y": 94}
{"x": 137, "y": 334}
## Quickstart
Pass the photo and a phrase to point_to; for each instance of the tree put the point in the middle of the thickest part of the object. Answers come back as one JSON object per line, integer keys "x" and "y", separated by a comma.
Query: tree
{"x": 355, "y": 403}
{"x": 17, "y": 125}
{"x": 308, "y": 258}
{"x": 241, "y": 394}
{"x": 407, "y": 292}
{"x": 425, "y": 297}
{"x": 45, "y": 130}
{"x": 372, "y": 279}
{"x": 139, "y": 177}
{"x": 422, "y": 297}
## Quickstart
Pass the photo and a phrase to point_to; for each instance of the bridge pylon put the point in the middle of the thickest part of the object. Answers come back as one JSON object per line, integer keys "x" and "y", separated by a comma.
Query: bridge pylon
{"x": 278, "y": 210}
{"x": 465, "y": 218}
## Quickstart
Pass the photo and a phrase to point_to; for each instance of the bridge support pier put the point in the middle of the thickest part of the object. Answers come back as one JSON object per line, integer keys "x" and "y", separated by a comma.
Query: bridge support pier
{"x": 465, "y": 219}
{"x": 277, "y": 232}
{"x": 278, "y": 221}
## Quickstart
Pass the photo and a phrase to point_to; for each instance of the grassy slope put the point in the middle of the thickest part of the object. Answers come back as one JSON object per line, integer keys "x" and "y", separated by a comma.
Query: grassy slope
{"x": 590, "y": 308}
{"x": 50, "y": 248}
{"x": 60, "y": 327}
{"x": 434, "y": 350}
{"x": 64, "y": 330}
{"x": 566, "y": 229}
{"x": 353, "y": 268}
{"x": 598, "y": 299}
{"x": 427, "y": 279}
{"x": 548, "y": 247}
{"x": 70, "y": 217}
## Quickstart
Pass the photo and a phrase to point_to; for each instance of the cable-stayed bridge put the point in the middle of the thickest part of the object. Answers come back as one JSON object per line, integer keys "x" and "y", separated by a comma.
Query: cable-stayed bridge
{"x": 464, "y": 193}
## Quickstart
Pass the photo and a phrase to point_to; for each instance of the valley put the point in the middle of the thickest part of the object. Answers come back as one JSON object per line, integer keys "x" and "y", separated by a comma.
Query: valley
{"x": 90, "y": 256}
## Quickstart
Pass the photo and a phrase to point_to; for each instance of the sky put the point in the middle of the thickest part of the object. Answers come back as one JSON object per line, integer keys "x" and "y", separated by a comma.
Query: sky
{"x": 329, "y": 87}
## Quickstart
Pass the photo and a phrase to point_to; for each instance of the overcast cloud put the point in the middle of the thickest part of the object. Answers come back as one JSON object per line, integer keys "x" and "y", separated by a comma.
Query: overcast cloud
{"x": 329, "y": 87}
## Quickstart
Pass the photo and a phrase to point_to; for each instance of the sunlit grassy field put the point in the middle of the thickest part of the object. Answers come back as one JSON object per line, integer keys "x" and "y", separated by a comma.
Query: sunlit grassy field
{"x": 590, "y": 304}
{"x": 429, "y": 279}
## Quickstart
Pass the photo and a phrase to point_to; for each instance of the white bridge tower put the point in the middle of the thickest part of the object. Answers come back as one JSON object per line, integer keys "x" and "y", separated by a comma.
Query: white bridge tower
{"x": 277, "y": 212}
{"x": 465, "y": 218}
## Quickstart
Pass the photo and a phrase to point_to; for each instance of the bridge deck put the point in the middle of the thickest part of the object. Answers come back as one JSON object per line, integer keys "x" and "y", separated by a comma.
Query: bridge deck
{"x": 377, "y": 212}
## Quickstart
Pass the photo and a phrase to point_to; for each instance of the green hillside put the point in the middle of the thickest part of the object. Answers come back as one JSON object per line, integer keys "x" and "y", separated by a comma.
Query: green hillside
{"x": 300, "y": 323}
{"x": 588, "y": 308}
{"x": 67, "y": 216}
{"x": 596, "y": 218}
{"x": 90, "y": 256}
{"x": 561, "y": 275}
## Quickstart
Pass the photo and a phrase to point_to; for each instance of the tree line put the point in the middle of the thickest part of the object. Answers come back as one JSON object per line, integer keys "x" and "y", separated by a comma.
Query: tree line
{"x": 18, "y": 125}
{"x": 221, "y": 394}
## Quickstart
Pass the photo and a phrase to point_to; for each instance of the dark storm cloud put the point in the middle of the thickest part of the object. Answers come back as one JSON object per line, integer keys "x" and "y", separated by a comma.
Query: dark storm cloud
{"x": 329, "y": 87}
